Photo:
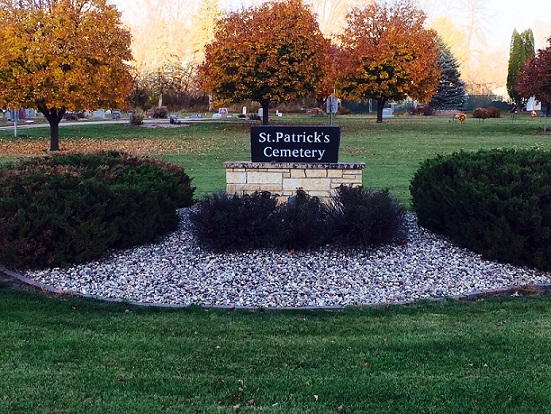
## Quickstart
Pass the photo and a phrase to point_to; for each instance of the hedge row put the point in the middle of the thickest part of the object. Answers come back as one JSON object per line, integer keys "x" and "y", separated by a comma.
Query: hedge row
{"x": 65, "y": 209}
{"x": 494, "y": 202}
{"x": 357, "y": 217}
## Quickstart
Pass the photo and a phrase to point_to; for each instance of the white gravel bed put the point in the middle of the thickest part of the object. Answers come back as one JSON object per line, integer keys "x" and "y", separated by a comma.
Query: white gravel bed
{"x": 177, "y": 272}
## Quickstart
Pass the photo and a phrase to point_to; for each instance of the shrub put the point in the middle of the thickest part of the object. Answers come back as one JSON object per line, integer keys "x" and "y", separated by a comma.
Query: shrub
{"x": 480, "y": 113}
{"x": 72, "y": 208}
{"x": 363, "y": 217}
{"x": 160, "y": 112}
{"x": 358, "y": 217}
{"x": 493, "y": 112}
{"x": 483, "y": 113}
{"x": 137, "y": 117}
{"x": 343, "y": 110}
{"x": 224, "y": 222}
{"x": 496, "y": 203}
{"x": 303, "y": 222}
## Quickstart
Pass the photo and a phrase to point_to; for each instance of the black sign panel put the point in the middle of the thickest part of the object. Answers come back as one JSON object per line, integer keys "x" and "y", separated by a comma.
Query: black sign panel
{"x": 308, "y": 144}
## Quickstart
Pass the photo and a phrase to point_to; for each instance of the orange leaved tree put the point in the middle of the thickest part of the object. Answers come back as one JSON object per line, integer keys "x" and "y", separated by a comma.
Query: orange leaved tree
{"x": 270, "y": 53}
{"x": 62, "y": 55}
{"x": 388, "y": 55}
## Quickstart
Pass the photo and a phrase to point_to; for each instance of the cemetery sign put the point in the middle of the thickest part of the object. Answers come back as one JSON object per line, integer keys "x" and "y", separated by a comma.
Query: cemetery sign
{"x": 304, "y": 144}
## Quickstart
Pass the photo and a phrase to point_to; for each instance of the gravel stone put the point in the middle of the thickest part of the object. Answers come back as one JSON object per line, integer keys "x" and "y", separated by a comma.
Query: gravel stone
{"x": 177, "y": 272}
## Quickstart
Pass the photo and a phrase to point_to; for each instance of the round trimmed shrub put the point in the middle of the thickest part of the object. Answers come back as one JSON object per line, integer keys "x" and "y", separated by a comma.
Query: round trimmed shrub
{"x": 224, "y": 222}
{"x": 494, "y": 202}
{"x": 304, "y": 222}
{"x": 65, "y": 209}
{"x": 364, "y": 217}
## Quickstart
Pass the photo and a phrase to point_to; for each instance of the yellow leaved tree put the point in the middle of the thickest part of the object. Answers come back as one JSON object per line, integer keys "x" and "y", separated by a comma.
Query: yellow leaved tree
{"x": 270, "y": 53}
{"x": 387, "y": 54}
{"x": 62, "y": 55}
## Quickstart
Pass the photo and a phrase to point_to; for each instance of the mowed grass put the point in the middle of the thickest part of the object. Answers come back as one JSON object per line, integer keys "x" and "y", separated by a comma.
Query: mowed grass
{"x": 79, "y": 356}
{"x": 392, "y": 150}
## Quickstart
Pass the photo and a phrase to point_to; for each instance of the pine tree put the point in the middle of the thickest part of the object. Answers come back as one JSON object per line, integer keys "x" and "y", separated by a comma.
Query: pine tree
{"x": 450, "y": 93}
{"x": 522, "y": 48}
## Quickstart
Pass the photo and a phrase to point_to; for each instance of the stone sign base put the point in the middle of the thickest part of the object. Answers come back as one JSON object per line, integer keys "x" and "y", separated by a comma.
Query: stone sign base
{"x": 285, "y": 178}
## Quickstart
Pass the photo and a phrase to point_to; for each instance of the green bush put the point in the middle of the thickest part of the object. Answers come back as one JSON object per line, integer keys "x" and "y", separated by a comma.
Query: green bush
{"x": 496, "y": 203}
{"x": 224, "y": 222}
{"x": 67, "y": 209}
{"x": 303, "y": 222}
{"x": 357, "y": 217}
{"x": 361, "y": 216}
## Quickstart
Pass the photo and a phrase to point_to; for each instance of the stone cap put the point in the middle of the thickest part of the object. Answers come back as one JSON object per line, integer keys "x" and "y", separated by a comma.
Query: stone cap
{"x": 305, "y": 165}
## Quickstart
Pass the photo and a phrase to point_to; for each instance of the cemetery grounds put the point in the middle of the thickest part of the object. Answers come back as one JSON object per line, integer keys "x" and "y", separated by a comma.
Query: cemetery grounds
{"x": 486, "y": 355}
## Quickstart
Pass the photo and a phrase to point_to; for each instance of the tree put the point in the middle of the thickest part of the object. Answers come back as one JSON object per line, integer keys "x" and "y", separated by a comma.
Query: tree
{"x": 450, "y": 92}
{"x": 388, "y": 55}
{"x": 269, "y": 53}
{"x": 60, "y": 55}
{"x": 535, "y": 79}
{"x": 522, "y": 48}
{"x": 204, "y": 22}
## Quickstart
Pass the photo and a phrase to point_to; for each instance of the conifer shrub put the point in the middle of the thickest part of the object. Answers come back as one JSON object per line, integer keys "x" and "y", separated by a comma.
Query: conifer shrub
{"x": 357, "y": 217}
{"x": 494, "y": 202}
{"x": 66, "y": 209}
{"x": 303, "y": 222}
{"x": 233, "y": 222}
{"x": 361, "y": 216}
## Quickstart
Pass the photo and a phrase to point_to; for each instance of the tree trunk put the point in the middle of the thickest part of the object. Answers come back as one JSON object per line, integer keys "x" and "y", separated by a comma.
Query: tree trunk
{"x": 380, "y": 105}
{"x": 54, "y": 117}
{"x": 265, "y": 105}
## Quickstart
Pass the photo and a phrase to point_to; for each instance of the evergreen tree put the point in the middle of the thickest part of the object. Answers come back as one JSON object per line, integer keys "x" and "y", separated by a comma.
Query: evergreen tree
{"x": 450, "y": 93}
{"x": 522, "y": 48}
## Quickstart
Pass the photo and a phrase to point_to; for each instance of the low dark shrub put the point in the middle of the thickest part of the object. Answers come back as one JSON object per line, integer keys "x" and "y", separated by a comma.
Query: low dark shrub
{"x": 483, "y": 113}
{"x": 303, "y": 222}
{"x": 67, "y": 209}
{"x": 137, "y": 118}
{"x": 480, "y": 113}
{"x": 363, "y": 217}
{"x": 358, "y": 217}
{"x": 343, "y": 110}
{"x": 496, "y": 203}
{"x": 224, "y": 222}
{"x": 160, "y": 112}
{"x": 493, "y": 112}
{"x": 428, "y": 110}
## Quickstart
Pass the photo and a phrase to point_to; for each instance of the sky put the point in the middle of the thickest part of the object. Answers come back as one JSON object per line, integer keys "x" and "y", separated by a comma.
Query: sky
{"x": 503, "y": 17}
{"x": 507, "y": 15}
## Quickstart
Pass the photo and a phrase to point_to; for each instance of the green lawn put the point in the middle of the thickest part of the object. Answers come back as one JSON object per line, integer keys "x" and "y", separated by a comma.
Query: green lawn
{"x": 392, "y": 151}
{"x": 79, "y": 356}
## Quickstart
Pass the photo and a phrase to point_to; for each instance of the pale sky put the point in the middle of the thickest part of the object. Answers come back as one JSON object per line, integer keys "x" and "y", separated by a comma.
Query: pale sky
{"x": 502, "y": 16}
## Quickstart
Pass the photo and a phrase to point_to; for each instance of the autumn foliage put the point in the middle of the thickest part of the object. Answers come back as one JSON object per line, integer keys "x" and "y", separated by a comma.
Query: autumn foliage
{"x": 62, "y": 55}
{"x": 271, "y": 53}
{"x": 388, "y": 55}
{"x": 535, "y": 80}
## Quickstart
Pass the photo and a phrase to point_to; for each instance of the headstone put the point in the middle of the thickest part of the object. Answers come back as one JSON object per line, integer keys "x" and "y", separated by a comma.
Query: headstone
{"x": 387, "y": 113}
{"x": 260, "y": 112}
{"x": 98, "y": 114}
